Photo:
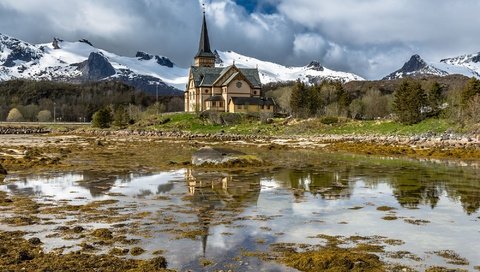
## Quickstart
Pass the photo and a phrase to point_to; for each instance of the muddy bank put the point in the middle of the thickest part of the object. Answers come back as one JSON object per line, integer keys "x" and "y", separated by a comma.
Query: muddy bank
{"x": 443, "y": 146}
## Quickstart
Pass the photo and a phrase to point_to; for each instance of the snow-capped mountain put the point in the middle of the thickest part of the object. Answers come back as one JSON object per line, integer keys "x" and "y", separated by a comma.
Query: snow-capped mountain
{"x": 81, "y": 61}
{"x": 416, "y": 66}
{"x": 467, "y": 65}
{"x": 272, "y": 72}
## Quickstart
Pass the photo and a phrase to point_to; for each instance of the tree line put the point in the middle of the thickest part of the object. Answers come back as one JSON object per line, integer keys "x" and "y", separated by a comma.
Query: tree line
{"x": 26, "y": 100}
{"x": 409, "y": 102}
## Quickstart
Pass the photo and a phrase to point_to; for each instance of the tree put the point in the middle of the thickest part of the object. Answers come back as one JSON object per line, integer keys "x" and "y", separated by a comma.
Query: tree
{"x": 435, "y": 99}
{"x": 120, "y": 116}
{"x": 472, "y": 109}
{"x": 44, "y": 116}
{"x": 102, "y": 118}
{"x": 409, "y": 101}
{"x": 356, "y": 108}
{"x": 375, "y": 105}
{"x": 14, "y": 115}
{"x": 298, "y": 100}
{"x": 471, "y": 89}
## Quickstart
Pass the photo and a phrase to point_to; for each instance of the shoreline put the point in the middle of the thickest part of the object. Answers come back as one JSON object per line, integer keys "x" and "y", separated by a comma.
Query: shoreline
{"x": 451, "y": 146}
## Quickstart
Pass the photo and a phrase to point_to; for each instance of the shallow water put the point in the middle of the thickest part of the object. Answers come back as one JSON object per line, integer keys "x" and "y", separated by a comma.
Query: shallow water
{"x": 238, "y": 212}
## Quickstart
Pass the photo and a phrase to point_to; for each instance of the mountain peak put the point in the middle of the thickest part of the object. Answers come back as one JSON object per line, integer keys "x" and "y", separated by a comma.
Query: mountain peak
{"x": 414, "y": 67}
{"x": 315, "y": 65}
{"x": 414, "y": 64}
{"x": 86, "y": 41}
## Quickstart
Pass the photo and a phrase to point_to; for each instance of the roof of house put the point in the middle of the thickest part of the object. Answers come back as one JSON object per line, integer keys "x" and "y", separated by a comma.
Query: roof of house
{"x": 253, "y": 101}
{"x": 215, "y": 98}
{"x": 206, "y": 76}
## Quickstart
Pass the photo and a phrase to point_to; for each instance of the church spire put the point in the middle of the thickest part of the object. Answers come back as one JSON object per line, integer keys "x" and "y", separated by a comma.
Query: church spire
{"x": 204, "y": 56}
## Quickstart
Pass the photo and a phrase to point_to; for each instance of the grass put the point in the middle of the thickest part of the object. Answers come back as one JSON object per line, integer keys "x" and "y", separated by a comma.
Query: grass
{"x": 194, "y": 124}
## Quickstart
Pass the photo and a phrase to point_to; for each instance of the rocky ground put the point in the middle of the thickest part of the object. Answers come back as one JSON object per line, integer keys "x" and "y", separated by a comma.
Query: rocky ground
{"x": 114, "y": 152}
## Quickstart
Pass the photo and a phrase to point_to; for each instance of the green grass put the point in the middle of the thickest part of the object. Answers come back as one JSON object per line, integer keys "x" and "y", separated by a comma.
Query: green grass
{"x": 193, "y": 123}
{"x": 389, "y": 127}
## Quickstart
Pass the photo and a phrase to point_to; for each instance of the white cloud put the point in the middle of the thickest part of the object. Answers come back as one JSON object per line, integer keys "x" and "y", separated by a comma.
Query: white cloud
{"x": 369, "y": 37}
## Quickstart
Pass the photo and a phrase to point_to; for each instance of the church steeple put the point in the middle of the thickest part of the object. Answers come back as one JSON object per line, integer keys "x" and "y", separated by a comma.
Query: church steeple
{"x": 204, "y": 56}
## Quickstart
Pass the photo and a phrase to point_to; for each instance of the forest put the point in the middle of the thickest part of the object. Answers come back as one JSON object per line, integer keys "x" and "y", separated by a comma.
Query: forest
{"x": 408, "y": 101}
{"x": 25, "y": 100}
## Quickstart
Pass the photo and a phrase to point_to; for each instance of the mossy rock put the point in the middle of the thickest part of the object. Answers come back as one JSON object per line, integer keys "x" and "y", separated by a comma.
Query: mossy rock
{"x": 333, "y": 259}
{"x": 224, "y": 158}
{"x": 3, "y": 172}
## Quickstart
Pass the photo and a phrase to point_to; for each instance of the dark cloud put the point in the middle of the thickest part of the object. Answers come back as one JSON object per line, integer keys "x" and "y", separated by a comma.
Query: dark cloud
{"x": 370, "y": 38}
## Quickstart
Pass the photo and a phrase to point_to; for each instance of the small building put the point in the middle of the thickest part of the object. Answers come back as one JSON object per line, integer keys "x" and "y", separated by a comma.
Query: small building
{"x": 212, "y": 88}
{"x": 251, "y": 104}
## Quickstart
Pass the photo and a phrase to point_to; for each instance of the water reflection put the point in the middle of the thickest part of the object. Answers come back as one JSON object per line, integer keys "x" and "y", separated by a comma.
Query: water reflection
{"x": 232, "y": 211}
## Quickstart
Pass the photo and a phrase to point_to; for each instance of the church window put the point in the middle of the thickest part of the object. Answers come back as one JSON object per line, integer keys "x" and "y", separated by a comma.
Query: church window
{"x": 239, "y": 84}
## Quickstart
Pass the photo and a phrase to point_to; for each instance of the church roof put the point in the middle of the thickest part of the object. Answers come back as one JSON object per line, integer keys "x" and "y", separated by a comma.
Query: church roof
{"x": 204, "y": 44}
{"x": 206, "y": 76}
{"x": 253, "y": 101}
{"x": 215, "y": 98}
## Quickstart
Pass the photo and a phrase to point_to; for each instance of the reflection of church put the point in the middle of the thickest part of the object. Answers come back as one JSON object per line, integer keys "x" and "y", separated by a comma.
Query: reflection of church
{"x": 215, "y": 191}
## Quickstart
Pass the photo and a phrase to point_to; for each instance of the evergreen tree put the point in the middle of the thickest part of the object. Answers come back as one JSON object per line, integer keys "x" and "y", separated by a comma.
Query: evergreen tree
{"x": 435, "y": 99}
{"x": 471, "y": 89}
{"x": 102, "y": 118}
{"x": 298, "y": 99}
{"x": 120, "y": 116}
{"x": 409, "y": 100}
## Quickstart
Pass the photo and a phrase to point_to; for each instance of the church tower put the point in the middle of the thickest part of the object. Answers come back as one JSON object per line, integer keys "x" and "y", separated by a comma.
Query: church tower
{"x": 204, "y": 57}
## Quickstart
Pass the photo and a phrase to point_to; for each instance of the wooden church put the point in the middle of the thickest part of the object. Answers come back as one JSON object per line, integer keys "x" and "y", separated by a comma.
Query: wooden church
{"x": 222, "y": 89}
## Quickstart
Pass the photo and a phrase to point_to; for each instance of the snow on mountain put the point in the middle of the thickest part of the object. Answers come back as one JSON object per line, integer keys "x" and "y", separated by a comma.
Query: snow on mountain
{"x": 67, "y": 61}
{"x": 82, "y": 62}
{"x": 416, "y": 66}
{"x": 272, "y": 72}
{"x": 467, "y": 65}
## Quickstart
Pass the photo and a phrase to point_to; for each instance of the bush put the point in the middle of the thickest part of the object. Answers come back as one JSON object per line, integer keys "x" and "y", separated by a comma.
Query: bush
{"x": 102, "y": 118}
{"x": 329, "y": 120}
{"x": 375, "y": 105}
{"x": 14, "y": 115}
{"x": 44, "y": 116}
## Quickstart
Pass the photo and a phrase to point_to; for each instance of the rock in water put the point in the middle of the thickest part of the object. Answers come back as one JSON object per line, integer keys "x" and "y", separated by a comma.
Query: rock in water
{"x": 2, "y": 170}
{"x": 222, "y": 157}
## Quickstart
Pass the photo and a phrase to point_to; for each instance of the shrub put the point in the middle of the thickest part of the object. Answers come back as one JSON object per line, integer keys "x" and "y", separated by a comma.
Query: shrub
{"x": 329, "y": 120}
{"x": 14, "y": 115}
{"x": 44, "y": 116}
{"x": 102, "y": 118}
{"x": 375, "y": 105}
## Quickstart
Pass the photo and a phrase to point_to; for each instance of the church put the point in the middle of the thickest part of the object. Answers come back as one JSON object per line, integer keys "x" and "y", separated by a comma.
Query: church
{"x": 222, "y": 89}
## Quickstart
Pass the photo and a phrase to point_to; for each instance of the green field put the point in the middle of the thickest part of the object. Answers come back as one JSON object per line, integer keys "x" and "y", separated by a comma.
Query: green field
{"x": 315, "y": 126}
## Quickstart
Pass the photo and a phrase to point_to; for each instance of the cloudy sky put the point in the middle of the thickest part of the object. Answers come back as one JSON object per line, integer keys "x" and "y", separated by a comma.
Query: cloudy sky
{"x": 368, "y": 37}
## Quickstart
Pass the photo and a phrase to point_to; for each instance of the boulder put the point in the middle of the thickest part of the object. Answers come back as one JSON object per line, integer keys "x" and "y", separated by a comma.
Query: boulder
{"x": 223, "y": 157}
{"x": 2, "y": 170}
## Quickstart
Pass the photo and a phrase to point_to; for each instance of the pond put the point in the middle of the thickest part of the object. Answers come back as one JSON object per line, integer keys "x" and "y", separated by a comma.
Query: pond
{"x": 421, "y": 214}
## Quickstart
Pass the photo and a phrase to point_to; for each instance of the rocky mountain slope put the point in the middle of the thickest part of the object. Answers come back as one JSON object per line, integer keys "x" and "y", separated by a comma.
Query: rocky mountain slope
{"x": 272, "y": 72}
{"x": 82, "y": 62}
{"x": 467, "y": 65}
